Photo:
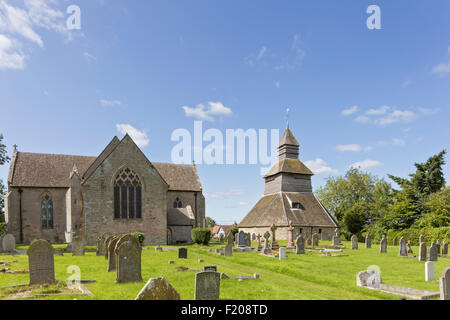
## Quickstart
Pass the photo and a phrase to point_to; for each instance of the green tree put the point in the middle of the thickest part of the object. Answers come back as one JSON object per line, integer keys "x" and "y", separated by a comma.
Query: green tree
{"x": 438, "y": 210}
{"x": 210, "y": 222}
{"x": 3, "y": 160}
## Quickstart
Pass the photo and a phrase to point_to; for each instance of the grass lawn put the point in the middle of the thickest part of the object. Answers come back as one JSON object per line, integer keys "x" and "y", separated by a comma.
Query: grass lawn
{"x": 299, "y": 277}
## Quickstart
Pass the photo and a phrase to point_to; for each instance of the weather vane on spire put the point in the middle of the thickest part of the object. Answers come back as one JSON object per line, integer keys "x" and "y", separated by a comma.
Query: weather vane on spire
{"x": 287, "y": 117}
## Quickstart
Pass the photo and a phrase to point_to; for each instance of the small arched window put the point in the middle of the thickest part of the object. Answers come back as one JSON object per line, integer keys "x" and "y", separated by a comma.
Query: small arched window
{"x": 127, "y": 195}
{"x": 177, "y": 203}
{"x": 47, "y": 212}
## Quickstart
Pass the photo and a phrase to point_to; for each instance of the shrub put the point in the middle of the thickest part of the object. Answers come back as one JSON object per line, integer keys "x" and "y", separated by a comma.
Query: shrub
{"x": 140, "y": 236}
{"x": 413, "y": 234}
{"x": 201, "y": 235}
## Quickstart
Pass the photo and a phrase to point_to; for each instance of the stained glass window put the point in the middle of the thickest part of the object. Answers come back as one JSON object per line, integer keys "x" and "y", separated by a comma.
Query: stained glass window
{"x": 127, "y": 195}
{"x": 47, "y": 212}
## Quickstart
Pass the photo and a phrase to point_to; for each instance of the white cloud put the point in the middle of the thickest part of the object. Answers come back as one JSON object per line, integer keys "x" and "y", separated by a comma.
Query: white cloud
{"x": 110, "y": 103}
{"x": 366, "y": 164}
{"x": 386, "y": 115}
{"x": 362, "y": 119}
{"x": 11, "y": 57}
{"x": 428, "y": 112}
{"x": 261, "y": 53}
{"x": 277, "y": 84}
{"x": 350, "y": 111}
{"x": 394, "y": 142}
{"x": 377, "y": 112}
{"x": 352, "y": 148}
{"x": 224, "y": 194}
{"x": 89, "y": 56}
{"x": 207, "y": 112}
{"x": 138, "y": 136}
{"x": 294, "y": 59}
{"x": 319, "y": 166}
{"x": 442, "y": 68}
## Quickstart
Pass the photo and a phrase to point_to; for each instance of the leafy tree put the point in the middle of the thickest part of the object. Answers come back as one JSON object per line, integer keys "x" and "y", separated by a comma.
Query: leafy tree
{"x": 3, "y": 160}
{"x": 438, "y": 210}
{"x": 210, "y": 222}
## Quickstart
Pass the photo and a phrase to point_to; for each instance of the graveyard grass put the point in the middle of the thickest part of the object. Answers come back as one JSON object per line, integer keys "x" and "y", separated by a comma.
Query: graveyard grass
{"x": 299, "y": 277}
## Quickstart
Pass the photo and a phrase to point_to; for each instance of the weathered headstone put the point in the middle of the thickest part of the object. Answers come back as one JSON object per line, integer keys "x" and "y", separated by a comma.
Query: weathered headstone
{"x": 300, "y": 245}
{"x": 77, "y": 245}
{"x": 354, "y": 240}
{"x": 241, "y": 239}
{"x": 290, "y": 235}
{"x": 402, "y": 251}
{"x": 41, "y": 262}
{"x": 236, "y": 238}
{"x": 429, "y": 271}
{"x": 107, "y": 241}
{"x": 128, "y": 262}
{"x": 275, "y": 245}
{"x": 438, "y": 245}
{"x": 258, "y": 238}
{"x": 423, "y": 251}
{"x": 383, "y": 245}
{"x": 8, "y": 242}
{"x": 182, "y": 253}
{"x": 282, "y": 253}
{"x": 444, "y": 283}
{"x": 228, "y": 252}
{"x": 410, "y": 251}
{"x": 315, "y": 240}
{"x": 421, "y": 238}
{"x": 207, "y": 285}
{"x": 99, "y": 251}
{"x": 368, "y": 241}
{"x": 433, "y": 252}
{"x": 369, "y": 278}
{"x": 336, "y": 240}
{"x": 248, "y": 242}
{"x": 210, "y": 268}
{"x": 267, "y": 248}
{"x": 445, "y": 249}
{"x": 221, "y": 237}
{"x": 253, "y": 236}
{"x": 158, "y": 289}
{"x": 112, "y": 254}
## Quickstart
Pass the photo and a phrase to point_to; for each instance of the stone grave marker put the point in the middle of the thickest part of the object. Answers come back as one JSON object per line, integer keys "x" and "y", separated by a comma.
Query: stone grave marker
{"x": 315, "y": 240}
{"x": 300, "y": 245}
{"x": 267, "y": 248}
{"x": 253, "y": 236}
{"x": 207, "y": 285}
{"x": 41, "y": 262}
{"x": 282, "y": 253}
{"x": 112, "y": 254}
{"x": 368, "y": 241}
{"x": 158, "y": 289}
{"x": 438, "y": 245}
{"x": 444, "y": 283}
{"x": 210, "y": 268}
{"x": 228, "y": 252}
{"x": 241, "y": 239}
{"x": 421, "y": 238}
{"x": 429, "y": 271}
{"x": 8, "y": 242}
{"x": 354, "y": 242}
{"x": 128, "y": 262}
{"x": 402, "y": 251}
{"x": 258, "y": 238}
{"x": 383, "y": 245}
{"x": 410, "y": 251}
{"x": 248, "y": 242}
{"x": 182, "y": 253}
{"x": 107, "y": 241}
{"x": 445, "y": 249}
{"x": 99, "y": 251}
{"x": 275, "y": 245}
{"x": 433, "y": 252}
{"x": 423, "y": 251}
{"x": 336, "y": 240}
{"x": 290, "y": 235}
{"x": 77, "y": 245}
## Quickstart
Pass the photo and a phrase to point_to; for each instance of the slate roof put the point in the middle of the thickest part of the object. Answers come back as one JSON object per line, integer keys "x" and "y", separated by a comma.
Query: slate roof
{"x": 180, "y": 216}
{"x": 276, "y": 208}
{"x": 289, "y": 166}
{"x": 180, "y": 177}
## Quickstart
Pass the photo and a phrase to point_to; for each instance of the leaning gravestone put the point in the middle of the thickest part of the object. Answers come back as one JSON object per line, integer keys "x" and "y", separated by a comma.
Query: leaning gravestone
{"x": 128, "y": 262}
{"x": 112, "y": 254}
{"x": 158, "y": 289}
{"x": 445, "y": 249}
{"x": 300, "y": 245}
{"x": 354, "y": 242}
{"x": 207, "y": 285}
{"x": 433, "y": 252}
{"x": 368, "y": 241}
{"x": 282, "y": 253}
{"x": 77, "y": 245}
{"x": 182, "y": 253}
{"x": 241, "y": 239}
{"x": 315, "y": 240}
{"x": 423, "y": 251}
{"x": 8, "y": 242}
{"x": 429, "y": 271}
{"x": 41, "y": 262}
{"x": 383, "y": 245}
{"x": 402, "y": 251}
{"x": 444, "y": 283}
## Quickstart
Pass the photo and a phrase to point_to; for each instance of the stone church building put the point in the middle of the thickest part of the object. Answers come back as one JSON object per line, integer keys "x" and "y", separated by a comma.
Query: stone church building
{"x": 288, "y": 197}
{"x": 53, "y": 196}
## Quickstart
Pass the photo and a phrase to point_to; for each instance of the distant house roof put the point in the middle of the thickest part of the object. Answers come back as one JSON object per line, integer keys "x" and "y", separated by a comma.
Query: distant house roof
{"x": 289, "y": 166}
{"x": 53, "y": 170}
{"x": 276, "y": 208}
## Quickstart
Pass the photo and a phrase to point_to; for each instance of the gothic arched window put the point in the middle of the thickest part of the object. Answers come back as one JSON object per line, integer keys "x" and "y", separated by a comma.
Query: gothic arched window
{"x": 47, "y": 212}
{"x": 127, "y": 195}
{"x": 177, "y": 203}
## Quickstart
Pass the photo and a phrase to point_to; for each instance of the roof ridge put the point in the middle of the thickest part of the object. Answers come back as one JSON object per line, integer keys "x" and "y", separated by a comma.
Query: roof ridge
{"x": 56, "y": 154}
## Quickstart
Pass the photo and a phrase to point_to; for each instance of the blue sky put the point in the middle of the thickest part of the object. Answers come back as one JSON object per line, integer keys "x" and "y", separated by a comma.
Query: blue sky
{"x": 375, "y": 98}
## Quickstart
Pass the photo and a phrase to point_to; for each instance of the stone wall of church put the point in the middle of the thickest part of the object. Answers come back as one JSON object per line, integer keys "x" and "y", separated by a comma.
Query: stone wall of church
{"x": 282, "y": 232}
{"x": 189, "y": 198}
{"x": 181, "y": 234}
{"x": 31, "y": 214}
{"x": 98, "y": 195}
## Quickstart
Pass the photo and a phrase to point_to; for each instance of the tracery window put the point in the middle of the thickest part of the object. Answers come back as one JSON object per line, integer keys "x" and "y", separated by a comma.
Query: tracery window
{"x": 177, "y": 203}
{"x": 127, "y": 195}
{"x": 47, "y": 212}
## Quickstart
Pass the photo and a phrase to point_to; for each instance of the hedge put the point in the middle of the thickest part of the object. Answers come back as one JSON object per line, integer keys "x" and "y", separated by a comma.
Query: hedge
{"x": 201, "y": 235}
{"x": 430, "y": 234}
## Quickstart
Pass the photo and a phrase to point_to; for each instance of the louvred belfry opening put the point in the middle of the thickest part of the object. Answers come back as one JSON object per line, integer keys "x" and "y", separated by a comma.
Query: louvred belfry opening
{"x": 127, "y": 195}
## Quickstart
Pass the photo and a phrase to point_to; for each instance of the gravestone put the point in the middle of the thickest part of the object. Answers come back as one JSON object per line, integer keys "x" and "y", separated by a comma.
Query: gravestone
{"x": 290, "y": 235}
{"x": 309, "y": 242}
{"x": 402, "y": 251}
{"x": 421, "y": 238}
{"x": 444, "y": 283}
{"x": 369, "y": 278}
{"x": 107, "y": 241}
{"x": 433, "y": 252}
{"x": 258, "y": 238}
{"x": 182, "y": 253}
{"x": 336, "y": 240}
{"x": 241, "y": 239}
{"x": 282, "y": 253}
{"x": 158, "y": 289}
{"x": 354, "y": 242}
{"x": 236, "y": 238}
{"x": 253, "y": 236}
{"x": 210, "y": 268}
{"x": 368, "y": 241}
{"x": 429, "y": 271}
{"x": 423, "y": 251}
{"x": 267, "y": 248}
{"x": 228, "y": 252}
{"x": 275, "y": 245}
{"x": 1, "y": 245}
{"x": 395, "y": 241}
{"x": 8, "y": 242}
{"x": 221, "y": 237}
{"x": 128, "y": 262}
{"x": 100, "y": 246}
{"x": 438, "y": 245}
{"x": 248, "y": 242}
{"x": 112, "y": 254}
{"x": 300, "y": 245}
{"x": 77, "y": 245}
{"x": 207, "y": 285}
{"x": 445, "y": 249}
{"x": 315, "y": 240}
{"x": 41, "y": 262}
{"x": 410, "y": 251}
{"x": 383, "y": 245}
